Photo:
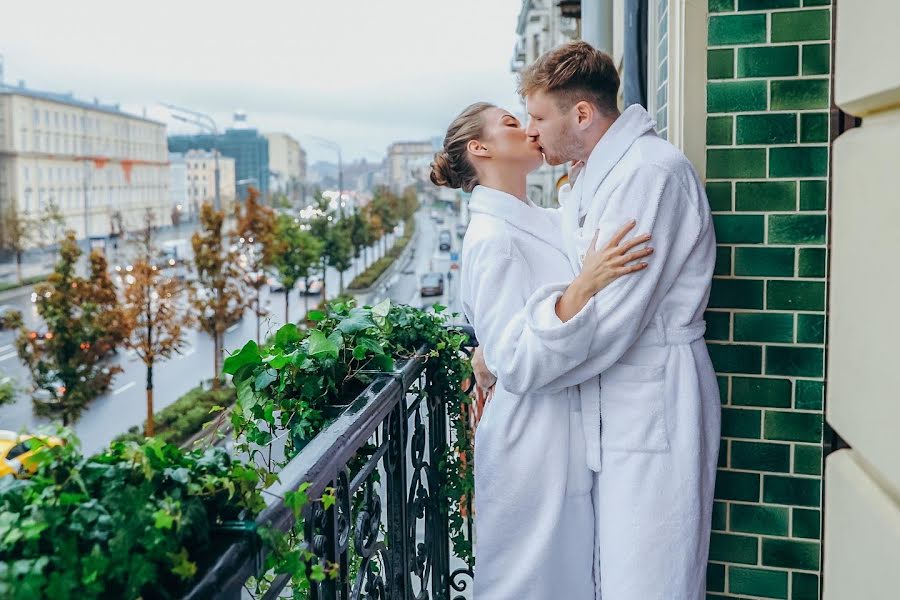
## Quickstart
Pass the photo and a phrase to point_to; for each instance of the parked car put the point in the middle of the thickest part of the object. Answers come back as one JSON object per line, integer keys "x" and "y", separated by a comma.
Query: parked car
{"x": 439, "y": 220}
{"x": 315, "y": 287}
{"x": 21, "y": 451}
{"x": 444, "y": 241}
{"x": 461, "y": 231}
{"x": 432, "y": 284}
{"x": 275, "y": 284}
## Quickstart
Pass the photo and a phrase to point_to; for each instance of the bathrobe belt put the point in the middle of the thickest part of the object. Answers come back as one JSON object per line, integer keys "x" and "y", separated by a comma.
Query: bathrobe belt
{"x": 655, "y": 334}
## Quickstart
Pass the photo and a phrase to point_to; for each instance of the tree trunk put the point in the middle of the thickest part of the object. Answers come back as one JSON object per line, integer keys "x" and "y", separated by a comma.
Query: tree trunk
{"x": 324, "y": 272}
{"x": 287, "y": 303}
{"x": 19, "y": 266}
{"x": 216, "y": 356}
{"x": 149, "y": 429}
{"x": 305, "y": 296}
{"x": 257, "y": 311}
{"x": 341, "y": 282}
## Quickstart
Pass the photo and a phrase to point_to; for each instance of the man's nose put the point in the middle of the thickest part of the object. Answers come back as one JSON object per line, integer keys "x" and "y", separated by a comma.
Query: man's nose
{"x": 531, "y": 130}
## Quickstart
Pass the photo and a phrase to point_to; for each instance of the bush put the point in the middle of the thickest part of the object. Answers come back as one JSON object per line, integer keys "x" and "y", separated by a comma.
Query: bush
{"x": 370, "y": 275}
{"x": 176, "y": 423}
{"x": 25, "y": 281}
{"x": 7, "y": 391}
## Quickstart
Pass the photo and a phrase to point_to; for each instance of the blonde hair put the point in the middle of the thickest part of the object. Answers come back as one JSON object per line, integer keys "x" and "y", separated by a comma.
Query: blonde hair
{"x": 452, "y": 167}
{"x": 574, "y": 72}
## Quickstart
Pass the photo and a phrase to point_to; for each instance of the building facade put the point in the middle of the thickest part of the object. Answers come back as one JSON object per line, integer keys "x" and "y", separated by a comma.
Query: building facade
{"x": 200, "y": 169}
{"x": 248, "y": 148}
{"x": 409, "y": 163}
{"x": 101, "y": 167}
{"x": 541, "y": 26}
{"x": 287, "y": 165}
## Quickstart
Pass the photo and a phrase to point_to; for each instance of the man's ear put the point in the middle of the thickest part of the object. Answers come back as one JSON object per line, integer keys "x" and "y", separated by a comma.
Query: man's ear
{"x": 477, "y": 148}
{"x": 584, "y": 113}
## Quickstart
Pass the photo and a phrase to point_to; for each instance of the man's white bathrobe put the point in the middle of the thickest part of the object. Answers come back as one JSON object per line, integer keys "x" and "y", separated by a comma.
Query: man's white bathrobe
{"x": 652, "y": 417}
{"x": 534, "y": 518}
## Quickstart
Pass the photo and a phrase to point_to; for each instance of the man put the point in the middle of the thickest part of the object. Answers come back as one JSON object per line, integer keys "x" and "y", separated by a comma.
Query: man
{"x": 648, "y": 390}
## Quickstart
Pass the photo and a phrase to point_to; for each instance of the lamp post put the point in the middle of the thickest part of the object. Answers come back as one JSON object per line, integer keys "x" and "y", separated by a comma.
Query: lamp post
{"x": 337, "y": 148}
{"x": 207, "y": 124}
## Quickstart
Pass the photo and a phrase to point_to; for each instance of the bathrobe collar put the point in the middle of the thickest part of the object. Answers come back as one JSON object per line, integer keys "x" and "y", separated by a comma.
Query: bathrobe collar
{"x": 526, "y": 217}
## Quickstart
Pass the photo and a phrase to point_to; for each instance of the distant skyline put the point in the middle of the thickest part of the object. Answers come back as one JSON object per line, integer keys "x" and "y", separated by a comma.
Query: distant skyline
{"x": 361, "y": 73}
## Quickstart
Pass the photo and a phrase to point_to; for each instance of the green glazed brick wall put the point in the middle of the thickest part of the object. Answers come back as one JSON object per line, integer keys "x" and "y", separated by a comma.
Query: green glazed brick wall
{"x": 767, "y": 169}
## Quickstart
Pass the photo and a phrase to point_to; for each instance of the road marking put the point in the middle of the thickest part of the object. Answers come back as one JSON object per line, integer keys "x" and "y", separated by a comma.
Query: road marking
{"x": 232, "y": 328}
{"x": 5, "y": 348}
{"x": 127, "y": 386}
{"x": 8, "y": 356}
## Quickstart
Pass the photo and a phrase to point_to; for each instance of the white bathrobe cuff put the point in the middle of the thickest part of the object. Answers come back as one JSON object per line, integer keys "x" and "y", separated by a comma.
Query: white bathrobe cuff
{"x": 572, "y": 338}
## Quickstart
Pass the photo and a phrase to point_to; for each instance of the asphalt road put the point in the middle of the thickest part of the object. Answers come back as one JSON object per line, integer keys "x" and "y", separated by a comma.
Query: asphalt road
{"x": 125, "y": 404}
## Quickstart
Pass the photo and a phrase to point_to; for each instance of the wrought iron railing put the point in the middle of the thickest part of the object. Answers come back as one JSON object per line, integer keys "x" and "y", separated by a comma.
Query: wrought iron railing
{"x": 388, "y": 529}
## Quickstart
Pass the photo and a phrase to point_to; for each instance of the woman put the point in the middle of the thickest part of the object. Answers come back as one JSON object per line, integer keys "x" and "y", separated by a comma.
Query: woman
{"x": 533, "y": 513}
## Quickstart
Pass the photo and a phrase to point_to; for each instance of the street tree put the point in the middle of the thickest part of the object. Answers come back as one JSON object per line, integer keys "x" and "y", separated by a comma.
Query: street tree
{"x": 83, "y": 325}
{"x": 154, "y": 312}
{"x": 17, "y": 233}
{"x": 338, "y": 251}
{"x": 216, "y": 294}
{"x": 360, "y": 237}
{"x": 255, "y": 235}
{"x": 298, "y": 252}
{"x": 49, "y": 226}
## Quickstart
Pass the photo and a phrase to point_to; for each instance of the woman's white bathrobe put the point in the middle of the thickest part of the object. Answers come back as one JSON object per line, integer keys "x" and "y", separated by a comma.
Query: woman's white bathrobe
{"x": 652, "y": 417}
{"x": 534, "y": 518}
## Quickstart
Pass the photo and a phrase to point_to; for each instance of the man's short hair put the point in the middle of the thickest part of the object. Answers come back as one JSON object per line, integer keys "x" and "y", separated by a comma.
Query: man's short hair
{"x": 571, "y": 73}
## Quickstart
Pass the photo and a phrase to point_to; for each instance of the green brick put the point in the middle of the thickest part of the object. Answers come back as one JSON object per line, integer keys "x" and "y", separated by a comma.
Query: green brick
{"x": 773, "y": 262}
{"x": 736, "y": 96}
{"x": 793, "y": 426}
{"x": 798, "y": 161}
{"x": 719, "y": 195}
{"x": 723, "y": 261}
{"x": 765, "y": 392}
{"x": 719, "y": 131}
{"x": 736, "y": 293}
{"x": 798, "y": 94}
{"x": 739, "y": 229}
{"x": 816, "y": 59}
{"x": 743, "y": 163}
{"x": 764, "y": 196}
{"x": 816, "y": 2}
{"x": 753, "y": 518}
{"x": 801, "y": 25}
{"x": 795, "y": 361}
{"x": 797, "y": 229}
{"x": 766, "y": 129}
{"x": 733, "y": 548}
{"x": 807, "y": 460}
{"x": 741, "y": 423}
{"x": 718, "y": 325}
{"x": 755, "y": 456}
{"x": 795, "y": 295}
{"x": 758, "y": 582}
{"x": 796, "y": 491}
{"x": 731, "y": 485}
{"x": 768, "y": 61}
{"x": 722, "y": 381}
{"x": 767, "y": 4}
{"x": 807, "y": 524}
{"x": 811, "y": 262}
{"x": 809, "y": 395}
{"x": 721, "y": 6}
{"x": 813, "y": 128}
{"x": 715, "y": 577}
{"x": 720, "y": 64}
{"x": 736, "y": 358}
{"x": 737, "y": 29}
{"x": 811, "y": 329}
{"x": 722, "y": 459}
{"x": 720, "y": 516}
{"x": 763, "y": 327}
{"x": 804, "y": 586}
{"x": 813, "y": 195}
{"x": 790, "y": 554}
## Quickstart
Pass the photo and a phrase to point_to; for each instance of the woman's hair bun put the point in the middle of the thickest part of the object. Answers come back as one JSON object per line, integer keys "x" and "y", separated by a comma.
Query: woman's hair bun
{"x": 442, "y": 174}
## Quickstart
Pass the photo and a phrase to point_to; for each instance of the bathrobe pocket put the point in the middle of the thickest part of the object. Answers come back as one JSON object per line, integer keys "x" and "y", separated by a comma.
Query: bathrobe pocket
{"x": 633, "y": 409}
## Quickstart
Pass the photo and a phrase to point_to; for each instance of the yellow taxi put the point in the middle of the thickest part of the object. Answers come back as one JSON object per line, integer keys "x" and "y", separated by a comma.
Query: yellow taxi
{"x": 19, "y": 451}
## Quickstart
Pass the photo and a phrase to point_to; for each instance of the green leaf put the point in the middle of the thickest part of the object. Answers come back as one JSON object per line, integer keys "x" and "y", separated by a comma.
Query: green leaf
{"x": 264, "y": 378}
{"x": 297, "y": 500}
{"x": 315, "y": 315}
{"x": 337, "y": 339}
{"x": 163, "y": 520}
{"x": 287, "y": 334}
{"x": 328, "y": 498}
{"x": 383, "y": 362}
{"x": 183, "y": 567}
{"x": 319, "y": 345}
{"x": 381, "y": 310}
{"x": 359, "y": 320}
{"x": 317, "y": 573}
{"x": 359, "y": 352}
{"x": 438, "y": 308}
{"x": 249, "y": 354}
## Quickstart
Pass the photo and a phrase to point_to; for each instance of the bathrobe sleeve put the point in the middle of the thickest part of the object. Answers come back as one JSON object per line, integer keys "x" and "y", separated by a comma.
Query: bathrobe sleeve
{"x": 497, "y": 289}
{"x": 556, "y": 355}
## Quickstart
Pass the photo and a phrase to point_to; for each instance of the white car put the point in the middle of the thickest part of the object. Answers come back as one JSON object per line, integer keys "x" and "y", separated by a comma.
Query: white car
{"x": 315, "y": 287}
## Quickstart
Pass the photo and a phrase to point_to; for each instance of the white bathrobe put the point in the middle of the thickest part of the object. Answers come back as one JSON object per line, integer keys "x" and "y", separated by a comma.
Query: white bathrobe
{"x": 643, "y": 335}
{"x": 534, "y": 518}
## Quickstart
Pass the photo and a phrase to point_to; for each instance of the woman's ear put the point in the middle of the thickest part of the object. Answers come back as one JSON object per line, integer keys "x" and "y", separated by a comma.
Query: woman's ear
{"x": 477, "y": 148}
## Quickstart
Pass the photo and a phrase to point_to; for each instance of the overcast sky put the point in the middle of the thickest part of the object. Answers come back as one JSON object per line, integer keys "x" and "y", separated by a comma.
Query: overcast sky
{"x": 363, "y": 73}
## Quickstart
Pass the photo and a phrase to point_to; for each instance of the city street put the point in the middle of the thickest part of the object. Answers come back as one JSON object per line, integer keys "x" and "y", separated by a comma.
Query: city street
{"x": 124, "y": 405}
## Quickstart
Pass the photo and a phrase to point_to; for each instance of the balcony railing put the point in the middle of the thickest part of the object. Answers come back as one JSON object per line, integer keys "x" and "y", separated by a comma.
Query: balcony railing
{"x": 387, "y": 533}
